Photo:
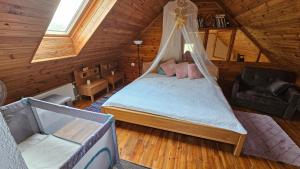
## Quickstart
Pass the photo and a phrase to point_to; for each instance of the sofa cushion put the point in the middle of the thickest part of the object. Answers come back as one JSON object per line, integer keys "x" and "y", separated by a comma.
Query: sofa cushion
{"x": 194, "y": 72}
{"x": 260, "y": 97}
{"x": 181, "y": 70}
{"x": 160, "y": 71}
{"x": 263, "y": 77}
{"x": 260, "y": 89}
{"x": 262, "y": 102}
{"x": 279, "y": 87}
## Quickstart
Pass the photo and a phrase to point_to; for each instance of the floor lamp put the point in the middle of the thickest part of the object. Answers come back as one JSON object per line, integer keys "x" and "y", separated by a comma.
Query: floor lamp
{"x": 138, "y": 43}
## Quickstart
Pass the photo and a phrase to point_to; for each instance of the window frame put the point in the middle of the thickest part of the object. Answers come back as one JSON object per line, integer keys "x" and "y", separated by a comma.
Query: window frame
{"x": 88, "y": 22}
{"x": 74, "y": 21}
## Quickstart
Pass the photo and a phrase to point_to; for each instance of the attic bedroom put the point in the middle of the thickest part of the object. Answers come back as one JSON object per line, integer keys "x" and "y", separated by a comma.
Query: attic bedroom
{"x": 143, "y": 84}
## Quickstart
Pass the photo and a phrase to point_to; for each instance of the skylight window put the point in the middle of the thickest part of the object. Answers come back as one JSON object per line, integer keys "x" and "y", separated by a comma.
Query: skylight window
{"x": 66, "y": 15}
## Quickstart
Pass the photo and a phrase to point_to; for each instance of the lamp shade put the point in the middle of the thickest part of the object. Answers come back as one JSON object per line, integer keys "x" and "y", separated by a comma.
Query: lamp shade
{"x": 137, "y": 42}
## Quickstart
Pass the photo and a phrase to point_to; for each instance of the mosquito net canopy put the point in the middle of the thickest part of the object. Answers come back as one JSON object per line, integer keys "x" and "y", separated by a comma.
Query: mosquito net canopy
{"x": 180, "y": 25}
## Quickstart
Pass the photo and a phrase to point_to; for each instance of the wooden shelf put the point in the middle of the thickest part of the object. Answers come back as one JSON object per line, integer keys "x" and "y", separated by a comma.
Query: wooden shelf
{"x": 215, "y": 28}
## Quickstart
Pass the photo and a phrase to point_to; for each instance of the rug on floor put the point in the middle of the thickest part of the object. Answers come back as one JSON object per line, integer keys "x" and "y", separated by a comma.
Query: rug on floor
{"x": 96, "y": 106}
{"x": 265, "y": 139}
{"x": 129, "y": 165}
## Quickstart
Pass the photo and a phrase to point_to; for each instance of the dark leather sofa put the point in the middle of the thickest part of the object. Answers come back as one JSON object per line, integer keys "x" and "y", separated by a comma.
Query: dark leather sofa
{"x": 267, "y": 90}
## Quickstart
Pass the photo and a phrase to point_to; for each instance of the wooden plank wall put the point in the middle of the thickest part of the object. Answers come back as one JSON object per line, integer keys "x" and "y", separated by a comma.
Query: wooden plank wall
{"x": 275, "y": 24}
{"x": 23, "y": 24}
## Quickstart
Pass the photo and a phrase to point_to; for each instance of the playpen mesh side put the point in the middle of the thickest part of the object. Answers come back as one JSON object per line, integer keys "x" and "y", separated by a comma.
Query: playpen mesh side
{"x": 10, "y": 156}
{"x": 23, "y": 122}
{"x": 20, "y": 120}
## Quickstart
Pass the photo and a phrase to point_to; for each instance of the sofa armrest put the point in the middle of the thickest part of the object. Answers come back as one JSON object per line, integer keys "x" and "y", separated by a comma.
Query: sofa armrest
{"x": 236, "y": 87}
{"x": 292, "y": 96}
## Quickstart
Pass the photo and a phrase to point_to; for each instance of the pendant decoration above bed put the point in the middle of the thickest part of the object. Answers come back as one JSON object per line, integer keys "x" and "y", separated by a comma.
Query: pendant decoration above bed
{"x": 180, "y": 25}
{"x": 180, "y": 14}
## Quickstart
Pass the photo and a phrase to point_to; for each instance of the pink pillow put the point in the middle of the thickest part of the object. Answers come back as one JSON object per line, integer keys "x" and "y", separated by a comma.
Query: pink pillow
{"x": 169, "y": 67}
{"x": 182, "y": 70}
{"x": 193, "y": 72}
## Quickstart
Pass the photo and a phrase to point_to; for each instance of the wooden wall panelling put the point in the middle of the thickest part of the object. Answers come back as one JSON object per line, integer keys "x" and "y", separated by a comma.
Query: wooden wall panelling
{"x": 274, "y": 25}
{"x": 90, "y": 22}
{"x": 19, "y": 41}
{"x": 52, "y": 48}
{"x": 258, "y": 56}
{"x": 246, "y": 47}
{"x": 242, "y": 28}
{"x": 205, "y": 39}
{"x": 231, "y": 43}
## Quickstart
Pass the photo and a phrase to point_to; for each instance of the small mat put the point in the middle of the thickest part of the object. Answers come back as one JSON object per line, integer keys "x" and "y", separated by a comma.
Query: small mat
{"x": 267, "y": 140}
{"x": 96, "y": 106}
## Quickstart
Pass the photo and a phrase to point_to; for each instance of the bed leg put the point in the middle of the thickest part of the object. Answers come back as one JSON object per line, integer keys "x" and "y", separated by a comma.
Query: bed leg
{"x": 239, "y": 146}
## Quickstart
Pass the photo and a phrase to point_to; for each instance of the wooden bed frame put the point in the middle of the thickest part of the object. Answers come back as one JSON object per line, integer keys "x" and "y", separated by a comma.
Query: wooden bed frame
{"x": 178, "y": 126}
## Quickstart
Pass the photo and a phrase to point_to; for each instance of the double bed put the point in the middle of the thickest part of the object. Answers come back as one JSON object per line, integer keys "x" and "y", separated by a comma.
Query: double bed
{"x": 191, "y": 107}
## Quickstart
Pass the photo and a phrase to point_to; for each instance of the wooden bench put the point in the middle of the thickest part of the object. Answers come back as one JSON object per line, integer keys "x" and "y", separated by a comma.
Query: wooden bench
{"x": 95, "y": 85}
{"x": 93, "y": 88}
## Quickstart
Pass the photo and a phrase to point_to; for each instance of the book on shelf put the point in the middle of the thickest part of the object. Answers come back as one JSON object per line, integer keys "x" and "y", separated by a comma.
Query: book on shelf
{"x": 221, "y": 21}
{"x": 200, "y": 22}
{"x": 213, "y": 21}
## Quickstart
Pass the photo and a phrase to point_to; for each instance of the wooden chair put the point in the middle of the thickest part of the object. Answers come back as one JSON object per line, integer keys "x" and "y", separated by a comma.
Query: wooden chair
{"x": 96, "y": 83}
{"x": 112, "y": 78}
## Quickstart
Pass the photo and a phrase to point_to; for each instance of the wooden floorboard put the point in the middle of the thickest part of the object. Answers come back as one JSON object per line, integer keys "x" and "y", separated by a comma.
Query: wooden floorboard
{"x": 160, "y": 149}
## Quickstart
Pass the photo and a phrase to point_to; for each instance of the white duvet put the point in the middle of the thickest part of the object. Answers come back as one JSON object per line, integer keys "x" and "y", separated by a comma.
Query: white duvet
{"x": 191, "y": 100}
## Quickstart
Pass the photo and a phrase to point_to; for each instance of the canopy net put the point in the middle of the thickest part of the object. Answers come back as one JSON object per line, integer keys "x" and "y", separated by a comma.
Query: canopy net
{"x": 180, "y": 25}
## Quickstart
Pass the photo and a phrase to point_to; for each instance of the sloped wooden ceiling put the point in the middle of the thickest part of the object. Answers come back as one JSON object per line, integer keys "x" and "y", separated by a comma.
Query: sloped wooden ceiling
{"x": 274, "y": 24}
{"x": 24, "y": 22}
